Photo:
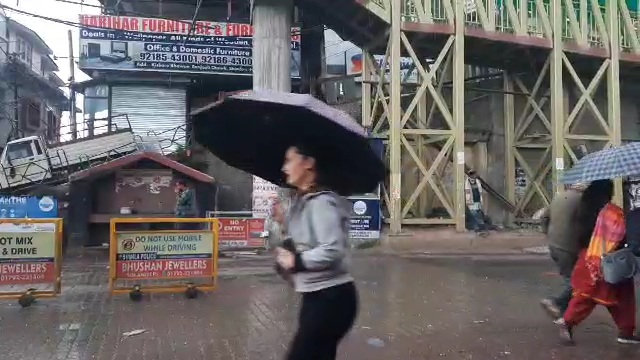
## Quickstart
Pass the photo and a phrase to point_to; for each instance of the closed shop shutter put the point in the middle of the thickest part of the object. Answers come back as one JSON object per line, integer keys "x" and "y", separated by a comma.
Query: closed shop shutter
{"x": 155, "y": 113}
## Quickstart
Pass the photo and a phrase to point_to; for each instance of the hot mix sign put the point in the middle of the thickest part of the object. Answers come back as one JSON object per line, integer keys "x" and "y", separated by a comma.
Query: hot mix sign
{"x": 148, "y": 255}
{"x": 27, "y": 253}
{"x": 152, "y": 44}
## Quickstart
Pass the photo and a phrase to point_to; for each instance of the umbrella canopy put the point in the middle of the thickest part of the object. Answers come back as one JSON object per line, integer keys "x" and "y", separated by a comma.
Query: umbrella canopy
{"x": 605, "y": 164}
{"x": 252, "y": 131}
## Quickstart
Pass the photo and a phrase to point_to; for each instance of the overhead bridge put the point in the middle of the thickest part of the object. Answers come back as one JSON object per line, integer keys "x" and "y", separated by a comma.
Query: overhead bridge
{"x": 562, "y": 65}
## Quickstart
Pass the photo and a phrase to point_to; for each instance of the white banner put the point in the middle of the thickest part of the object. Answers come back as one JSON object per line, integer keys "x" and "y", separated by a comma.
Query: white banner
{"x": 264, "y": 195}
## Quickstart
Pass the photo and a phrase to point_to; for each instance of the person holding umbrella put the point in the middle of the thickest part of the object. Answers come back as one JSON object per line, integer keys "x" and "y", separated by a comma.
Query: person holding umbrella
{"x": 601, "y": 230}
{"x": 318, "y": 221}
{"x": 323, "y": 154}
{"x": 559, "y": 219}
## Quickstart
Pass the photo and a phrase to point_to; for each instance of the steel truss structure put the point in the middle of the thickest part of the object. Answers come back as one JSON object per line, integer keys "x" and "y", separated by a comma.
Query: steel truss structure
{"x": 578, "y": 46}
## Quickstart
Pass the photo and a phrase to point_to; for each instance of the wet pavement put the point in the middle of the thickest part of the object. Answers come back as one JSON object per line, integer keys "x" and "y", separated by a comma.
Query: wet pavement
{"x": 420, "y": 308}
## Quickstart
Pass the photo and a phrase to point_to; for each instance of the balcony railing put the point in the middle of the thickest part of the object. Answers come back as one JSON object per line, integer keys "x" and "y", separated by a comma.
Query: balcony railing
{"x": 584, "y": 22}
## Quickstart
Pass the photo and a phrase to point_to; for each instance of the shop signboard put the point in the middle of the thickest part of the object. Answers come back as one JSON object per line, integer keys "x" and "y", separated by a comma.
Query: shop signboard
{"x": 164, "y": 45}
{"x": 164, "y": 255}
{"x": 21, "y": 207}
{"x": 28, "y": 253}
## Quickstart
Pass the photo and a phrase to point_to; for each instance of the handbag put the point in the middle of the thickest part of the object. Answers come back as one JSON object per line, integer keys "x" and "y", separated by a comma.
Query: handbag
{"x": 619, "y": 265}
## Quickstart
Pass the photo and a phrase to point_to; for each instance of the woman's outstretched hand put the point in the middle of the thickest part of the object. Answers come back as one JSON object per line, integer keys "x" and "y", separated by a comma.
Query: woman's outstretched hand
{"x": 285, "y": 258}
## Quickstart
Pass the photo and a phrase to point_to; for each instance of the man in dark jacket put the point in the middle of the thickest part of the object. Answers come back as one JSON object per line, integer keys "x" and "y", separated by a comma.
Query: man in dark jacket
{"x": 558, "y": 221}
{"x": 185, "y": 204}
{"x": 633, "y": 214}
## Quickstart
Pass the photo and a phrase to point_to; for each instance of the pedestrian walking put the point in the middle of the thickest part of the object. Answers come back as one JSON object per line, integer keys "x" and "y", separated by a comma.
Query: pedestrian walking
{"x": 559, "y": 223}
{"x": 603, "y": 224}
{"x": 319, "y": 267}
{"x": 185, "y": 204}
{"x": 633, "y": 214}
{"x": 327, "y": 155}
{"x": 473, "y": 197}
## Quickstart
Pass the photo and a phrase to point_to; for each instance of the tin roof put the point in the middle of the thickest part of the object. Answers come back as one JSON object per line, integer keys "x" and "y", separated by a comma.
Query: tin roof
{"x": 113, "y": 165}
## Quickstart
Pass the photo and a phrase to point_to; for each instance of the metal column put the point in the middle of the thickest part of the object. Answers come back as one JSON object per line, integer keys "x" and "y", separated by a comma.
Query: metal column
{"x": 458, "y": 116}
{"x": 557, "y": 96}
{"x": 395, "y": 118}
{"x": 613, "y": 85}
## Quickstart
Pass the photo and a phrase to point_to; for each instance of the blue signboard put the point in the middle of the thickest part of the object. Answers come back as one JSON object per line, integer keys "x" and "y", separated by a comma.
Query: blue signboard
{"x": 16, "y": 207}
{"x": 365, "y": 221}
{"x": 164, "y": 45}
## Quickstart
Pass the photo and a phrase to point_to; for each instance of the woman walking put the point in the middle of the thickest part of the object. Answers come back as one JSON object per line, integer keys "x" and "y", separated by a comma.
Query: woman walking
{"x": 317, "y": 225}
{"x": 599, "y": 222}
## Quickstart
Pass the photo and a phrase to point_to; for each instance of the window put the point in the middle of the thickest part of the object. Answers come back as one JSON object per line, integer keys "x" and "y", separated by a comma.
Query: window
{"x": 96, "y": 109}
{"x": 52, "y": 126}
{"x": 29, "y": 113}
{"x": 38, "y": 147}
{"x": 24, "y": 50}
{"x": 19, "y": 151}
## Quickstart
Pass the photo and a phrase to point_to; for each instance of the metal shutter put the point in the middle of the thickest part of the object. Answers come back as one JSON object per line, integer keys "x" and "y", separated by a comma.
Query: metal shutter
{"x": 154, "y": 113}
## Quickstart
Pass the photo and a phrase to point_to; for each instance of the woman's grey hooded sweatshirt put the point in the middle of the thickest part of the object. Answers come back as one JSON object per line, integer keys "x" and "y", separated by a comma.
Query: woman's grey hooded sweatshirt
{"x": 318, "y": 224}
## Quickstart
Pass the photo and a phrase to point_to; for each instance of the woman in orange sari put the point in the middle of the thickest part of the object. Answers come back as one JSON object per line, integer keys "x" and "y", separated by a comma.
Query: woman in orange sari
{"x": 600, "y": 221}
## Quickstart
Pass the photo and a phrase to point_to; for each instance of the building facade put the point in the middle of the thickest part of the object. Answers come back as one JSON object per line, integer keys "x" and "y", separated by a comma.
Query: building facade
{"x": 152, "y": 63}
{"x": 31, "y": 101}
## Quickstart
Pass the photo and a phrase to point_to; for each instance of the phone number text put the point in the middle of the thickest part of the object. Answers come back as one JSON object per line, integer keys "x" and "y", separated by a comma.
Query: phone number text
{"x": 197, "y": 59}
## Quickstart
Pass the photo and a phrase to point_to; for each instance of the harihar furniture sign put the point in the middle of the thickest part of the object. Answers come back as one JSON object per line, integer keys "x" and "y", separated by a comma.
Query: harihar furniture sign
{"x": 28, "y": 253}
{"x": 163, "y": 45}
{"x": 164, "y": 255}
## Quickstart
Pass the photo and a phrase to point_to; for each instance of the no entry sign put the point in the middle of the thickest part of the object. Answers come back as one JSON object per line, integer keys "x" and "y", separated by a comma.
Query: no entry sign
{"x": 241, "y": 232}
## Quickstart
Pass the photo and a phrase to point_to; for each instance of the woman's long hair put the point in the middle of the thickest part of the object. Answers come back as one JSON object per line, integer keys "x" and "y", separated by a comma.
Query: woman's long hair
{"x": 594, "y": 198}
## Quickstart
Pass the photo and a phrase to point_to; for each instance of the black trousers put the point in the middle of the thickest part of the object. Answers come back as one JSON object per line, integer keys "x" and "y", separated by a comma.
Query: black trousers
{"x": 325, "y": 318}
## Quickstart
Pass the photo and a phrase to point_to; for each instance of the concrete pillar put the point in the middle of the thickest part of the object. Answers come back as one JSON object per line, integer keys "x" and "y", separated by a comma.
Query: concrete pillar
{"x": 272, "y": 44}
{"x": 272, "y": 63}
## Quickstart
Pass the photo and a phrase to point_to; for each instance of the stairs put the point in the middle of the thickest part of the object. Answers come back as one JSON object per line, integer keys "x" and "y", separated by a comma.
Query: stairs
{"x": 358, "y": 21}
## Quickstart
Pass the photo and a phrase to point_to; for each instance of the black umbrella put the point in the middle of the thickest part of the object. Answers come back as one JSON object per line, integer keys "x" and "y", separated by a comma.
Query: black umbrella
{"x": 252, "y": 131}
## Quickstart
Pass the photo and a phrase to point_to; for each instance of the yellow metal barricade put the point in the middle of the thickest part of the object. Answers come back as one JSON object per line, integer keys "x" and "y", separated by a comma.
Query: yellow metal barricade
{"x": 163, "y": 261}
{"x": 30, "y": 259}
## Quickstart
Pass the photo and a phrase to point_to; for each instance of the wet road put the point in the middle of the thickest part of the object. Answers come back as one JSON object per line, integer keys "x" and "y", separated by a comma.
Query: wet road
{"x": 429, "y": 308}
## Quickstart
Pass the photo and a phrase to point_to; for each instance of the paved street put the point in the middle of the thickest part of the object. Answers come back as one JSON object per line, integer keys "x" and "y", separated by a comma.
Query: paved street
{"x": 421, "y": 308}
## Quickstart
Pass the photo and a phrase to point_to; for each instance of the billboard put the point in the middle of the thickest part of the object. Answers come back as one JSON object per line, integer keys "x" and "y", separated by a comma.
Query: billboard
{"x": 158, "y": 255}
{"x": 16, "y": 207}
{"x": 28, "y": 254}
{"x": 354, "y": 64}
{"x": 164, "y": 45}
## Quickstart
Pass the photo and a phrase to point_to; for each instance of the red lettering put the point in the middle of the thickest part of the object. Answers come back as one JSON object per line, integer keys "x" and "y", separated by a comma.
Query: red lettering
{"x": 246, "y": 30}
{"x": 162, "y": 26}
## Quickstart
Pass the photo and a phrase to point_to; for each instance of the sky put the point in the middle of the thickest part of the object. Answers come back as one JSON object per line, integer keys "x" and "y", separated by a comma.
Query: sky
{"x": 54, "y": 34}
